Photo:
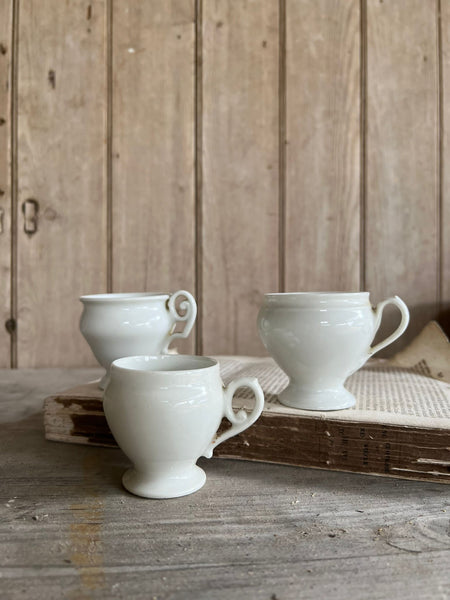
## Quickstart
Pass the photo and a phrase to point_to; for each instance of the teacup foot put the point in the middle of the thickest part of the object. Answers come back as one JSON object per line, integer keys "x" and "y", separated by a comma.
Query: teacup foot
{"x": 161, "y": 487}
{"x": 331, "y": 399}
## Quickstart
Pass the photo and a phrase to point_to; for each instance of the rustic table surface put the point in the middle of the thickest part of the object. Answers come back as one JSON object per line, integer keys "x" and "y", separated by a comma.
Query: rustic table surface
{"x": 69, "y": 530}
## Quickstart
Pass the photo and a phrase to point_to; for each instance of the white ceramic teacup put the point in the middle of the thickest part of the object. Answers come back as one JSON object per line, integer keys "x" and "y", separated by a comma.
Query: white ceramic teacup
{"x": 118, "y": 325}
{"x": 164, "y": 412}
{"x": 319, "y": 339}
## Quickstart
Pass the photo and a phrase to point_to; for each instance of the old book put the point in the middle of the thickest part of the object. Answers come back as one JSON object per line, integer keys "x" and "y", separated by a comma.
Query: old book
{"x": 400, "y": 426}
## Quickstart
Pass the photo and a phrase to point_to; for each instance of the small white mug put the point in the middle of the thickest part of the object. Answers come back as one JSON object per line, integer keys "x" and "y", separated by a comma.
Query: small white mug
{"x": 319, "y": 339}
{"x": 118, "y": 325}
{"x": 164, "y": 412}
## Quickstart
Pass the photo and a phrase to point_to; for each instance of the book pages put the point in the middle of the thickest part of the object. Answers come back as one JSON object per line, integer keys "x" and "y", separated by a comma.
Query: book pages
{"x": 412, "y": 388}
{"x": 430, "y": 349}
{"x": 384, "y": 392}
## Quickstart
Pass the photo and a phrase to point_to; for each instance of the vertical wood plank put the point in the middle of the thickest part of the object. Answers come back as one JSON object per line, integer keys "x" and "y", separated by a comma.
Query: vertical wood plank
{"x": 402, "y": 229}
{"x": 61, "y": 164}
{"x": 323, "y": 145}
{"x": 5, "y": 178}
{"x": 153, "y": 147}
{"x": 240, "y": 170}
{"x": 445, "y": 165}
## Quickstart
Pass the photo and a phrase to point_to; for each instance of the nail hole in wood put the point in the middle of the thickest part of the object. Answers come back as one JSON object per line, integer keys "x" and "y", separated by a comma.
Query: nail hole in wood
{"x": 52, "y": 78}
{"x": 11, "y": 326}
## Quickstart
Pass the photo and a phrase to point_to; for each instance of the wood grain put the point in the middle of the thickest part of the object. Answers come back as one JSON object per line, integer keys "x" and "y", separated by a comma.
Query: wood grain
{"x": 6, "y": 26}
{"x": 445, "y": 165}
{"x": 402, "y": 226}
{"x": 323, "y": 145}
{"x": 184, "y": 183}
{"x": 240, "y": 170}
{"x": 68, "y": 529}
{"x": 61, "y": 164}
{"x": 153, "y": 231}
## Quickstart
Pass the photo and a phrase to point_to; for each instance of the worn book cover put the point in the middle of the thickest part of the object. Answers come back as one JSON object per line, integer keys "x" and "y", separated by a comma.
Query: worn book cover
{"x": 399, "y": 427}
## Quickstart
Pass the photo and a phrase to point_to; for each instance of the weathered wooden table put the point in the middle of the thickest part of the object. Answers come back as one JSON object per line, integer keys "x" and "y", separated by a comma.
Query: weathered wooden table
{"x": 69, "y": 530}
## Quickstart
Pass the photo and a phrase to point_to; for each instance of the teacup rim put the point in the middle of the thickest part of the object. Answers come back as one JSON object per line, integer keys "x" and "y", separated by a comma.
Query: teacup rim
{"x": 340, "y": 294}
{"x": 311, "y": 299}
{"x": 205, "y": 363}
{"x": 118, "y": 296}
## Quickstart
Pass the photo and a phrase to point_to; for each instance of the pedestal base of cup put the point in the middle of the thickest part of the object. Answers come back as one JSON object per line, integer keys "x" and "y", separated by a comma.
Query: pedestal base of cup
{"x": 171, "y": 486}
{"x": 296, "y": 396}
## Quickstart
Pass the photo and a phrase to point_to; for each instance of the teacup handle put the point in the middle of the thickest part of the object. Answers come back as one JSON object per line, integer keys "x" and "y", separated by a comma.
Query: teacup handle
{"x": 240, "y": 420}
{"x": 190, "y": 306}
{"x": 400, "y": 329}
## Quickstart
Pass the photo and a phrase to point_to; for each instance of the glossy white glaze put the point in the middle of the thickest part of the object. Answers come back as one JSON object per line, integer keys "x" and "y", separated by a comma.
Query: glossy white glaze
{"x": 118, "y": 325}
{"x": 164, "y": 412}
{"x": 319, "y": 339}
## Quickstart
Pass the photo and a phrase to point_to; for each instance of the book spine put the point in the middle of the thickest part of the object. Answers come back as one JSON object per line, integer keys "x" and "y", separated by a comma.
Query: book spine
{"x": 377, "y": 449}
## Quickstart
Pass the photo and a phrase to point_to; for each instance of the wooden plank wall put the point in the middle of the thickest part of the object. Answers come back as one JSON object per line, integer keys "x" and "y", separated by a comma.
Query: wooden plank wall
{"x": 444, "y": 174}
{"x": 402, "y": 167}
{"x": 61, "y": 151}
{"x": 6, "y": 95}
{"x": 239, "y": 236}
{"x": 323, "y": 145}
{"x": 228, "y": 148}
{"x": 153, "y": 145}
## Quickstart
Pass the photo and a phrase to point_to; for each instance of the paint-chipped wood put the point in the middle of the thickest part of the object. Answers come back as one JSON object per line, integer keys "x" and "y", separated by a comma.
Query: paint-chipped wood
{"x": 239, "y": 170}
{"x": 6, "y": 25}
{"x": 402, "y": 204}
{"x": 153, "y": 225}
{"x": 68, "y": 528}
{"x": 323, "y": 47}
{"x": 61, "y": 166}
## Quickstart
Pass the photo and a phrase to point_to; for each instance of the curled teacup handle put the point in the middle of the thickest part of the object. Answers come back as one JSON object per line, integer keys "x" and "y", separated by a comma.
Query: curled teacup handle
{"x": 239, "y": 420}
{"x": 400, "y": 329}
{"x": 189, "y": 306}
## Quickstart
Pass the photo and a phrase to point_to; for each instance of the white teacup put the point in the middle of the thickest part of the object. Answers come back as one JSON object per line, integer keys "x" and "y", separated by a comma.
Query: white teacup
{"x": 118, "y": 325}
{"x": 164, "y": 412}
{"x": 319, "y": 339}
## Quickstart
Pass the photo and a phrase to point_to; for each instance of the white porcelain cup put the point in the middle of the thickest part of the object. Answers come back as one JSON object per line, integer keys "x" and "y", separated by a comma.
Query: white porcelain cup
{"x": 319, "y": 339}
{"x": 118, "y": 325}
{"x": 164, "y": 412}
